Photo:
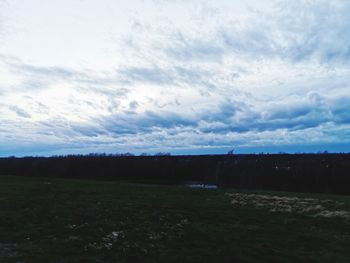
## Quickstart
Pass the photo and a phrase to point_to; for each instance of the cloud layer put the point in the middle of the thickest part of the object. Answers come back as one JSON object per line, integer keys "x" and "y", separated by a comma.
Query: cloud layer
{"x": 178, "y": 76}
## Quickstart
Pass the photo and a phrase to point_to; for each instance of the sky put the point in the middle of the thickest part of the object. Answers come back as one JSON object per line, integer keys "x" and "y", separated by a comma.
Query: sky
{"x": 178, "y": 76}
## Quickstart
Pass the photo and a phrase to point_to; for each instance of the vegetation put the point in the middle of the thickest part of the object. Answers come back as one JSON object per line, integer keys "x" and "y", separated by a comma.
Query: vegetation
{"x": 60, "y": 220}
{"x": 322, "y": 173}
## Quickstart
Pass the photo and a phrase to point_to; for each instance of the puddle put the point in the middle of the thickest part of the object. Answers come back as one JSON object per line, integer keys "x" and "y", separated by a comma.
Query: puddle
{"x": 206, "y": 186}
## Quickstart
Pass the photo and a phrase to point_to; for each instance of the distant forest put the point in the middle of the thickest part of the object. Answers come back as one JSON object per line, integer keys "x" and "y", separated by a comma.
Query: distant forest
{"x": 323, "y": 173}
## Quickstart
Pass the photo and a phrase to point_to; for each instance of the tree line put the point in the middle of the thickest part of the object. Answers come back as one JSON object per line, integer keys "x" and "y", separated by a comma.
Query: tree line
{"x": 323, "y": 173}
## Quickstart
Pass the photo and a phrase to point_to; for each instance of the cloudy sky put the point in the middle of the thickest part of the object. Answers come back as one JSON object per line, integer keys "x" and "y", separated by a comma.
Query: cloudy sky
{"x": 179, "y": 76}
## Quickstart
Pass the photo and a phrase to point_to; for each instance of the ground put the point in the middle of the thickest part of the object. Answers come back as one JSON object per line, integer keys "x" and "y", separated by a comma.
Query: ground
{"x": 57, "y": 220}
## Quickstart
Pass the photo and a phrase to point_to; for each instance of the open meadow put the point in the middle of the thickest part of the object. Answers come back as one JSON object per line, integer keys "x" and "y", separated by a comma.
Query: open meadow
{"x": 59, "y": 220}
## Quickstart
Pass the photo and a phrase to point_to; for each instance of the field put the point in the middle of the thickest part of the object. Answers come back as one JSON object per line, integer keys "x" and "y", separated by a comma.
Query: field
{"x": 56, "y": 220}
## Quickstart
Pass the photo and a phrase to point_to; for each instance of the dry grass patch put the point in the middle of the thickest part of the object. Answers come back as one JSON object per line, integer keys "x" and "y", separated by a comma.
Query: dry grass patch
{"x": 273, "y": 203}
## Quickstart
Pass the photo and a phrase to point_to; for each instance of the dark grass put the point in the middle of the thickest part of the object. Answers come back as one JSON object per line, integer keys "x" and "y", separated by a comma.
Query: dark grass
{"x": 56, "y": 220}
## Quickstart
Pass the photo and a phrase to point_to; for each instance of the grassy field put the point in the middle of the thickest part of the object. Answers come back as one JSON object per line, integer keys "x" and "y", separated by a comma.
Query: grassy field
{"x": 56, "y": 220}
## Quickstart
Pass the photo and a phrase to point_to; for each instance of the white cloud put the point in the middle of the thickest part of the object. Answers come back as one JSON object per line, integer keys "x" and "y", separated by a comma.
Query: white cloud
{"x": 142, "y": 75}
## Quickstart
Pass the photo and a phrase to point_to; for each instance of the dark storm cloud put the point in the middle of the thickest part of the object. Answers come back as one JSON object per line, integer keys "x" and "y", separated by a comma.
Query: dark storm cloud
{"x": 129, "y": 123}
